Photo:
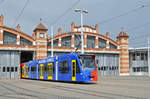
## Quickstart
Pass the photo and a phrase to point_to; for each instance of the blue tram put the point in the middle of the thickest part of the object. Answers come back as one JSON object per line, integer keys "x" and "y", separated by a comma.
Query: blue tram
{"x": 69, "y": 67}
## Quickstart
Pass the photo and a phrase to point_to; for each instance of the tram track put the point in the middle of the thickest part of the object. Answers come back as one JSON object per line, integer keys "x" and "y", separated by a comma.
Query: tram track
{"x": 30, "y": 93}
{"x": 15, "y": 92}
{"x": 98, "y": 94}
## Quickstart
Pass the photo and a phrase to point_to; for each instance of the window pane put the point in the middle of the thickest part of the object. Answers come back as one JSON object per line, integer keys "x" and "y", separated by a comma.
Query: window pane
{"x": 112, "y": 46}
{"x": 33, "y": 68}
{"x": 133, "y": 56}
{"x": 45, "y": 68}
{"x": 24, "y": 41}
{"x": 66, "y": 41}
{"x": 64, "y": 67}
{"x": 78, "y": 41}
{"x": 101, "y": 43}
{"x": 10, "y": 38}
{"x": 90, "y": 42}
{"x": 77, "y": 67}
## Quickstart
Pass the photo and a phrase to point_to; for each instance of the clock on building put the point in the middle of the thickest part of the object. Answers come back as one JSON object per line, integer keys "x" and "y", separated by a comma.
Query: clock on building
{"x": 41, "y": 35}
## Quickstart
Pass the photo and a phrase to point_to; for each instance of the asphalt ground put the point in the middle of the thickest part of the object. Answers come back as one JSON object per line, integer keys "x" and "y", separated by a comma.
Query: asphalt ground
{"x": 108, "y": 87}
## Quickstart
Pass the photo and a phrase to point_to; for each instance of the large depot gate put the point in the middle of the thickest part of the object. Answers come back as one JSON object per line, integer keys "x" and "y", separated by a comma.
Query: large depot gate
{"x": 108, "y": 64}
{"x": 10, "y": 63}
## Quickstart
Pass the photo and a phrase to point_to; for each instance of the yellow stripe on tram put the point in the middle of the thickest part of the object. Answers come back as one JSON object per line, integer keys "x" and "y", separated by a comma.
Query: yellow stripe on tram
{"x": 73, "y": 70}
{"x": 41, "y": 71}
{"x": 50, "y": 71}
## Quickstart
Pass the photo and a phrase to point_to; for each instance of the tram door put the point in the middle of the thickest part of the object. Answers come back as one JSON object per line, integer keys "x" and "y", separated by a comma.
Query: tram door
{"x": 22, "y": 72}
{"x": 50, "y": 70}
{"x": 27, "y": 71}
{"x": 41, "y": 71}
{"x": 73, "y": 70}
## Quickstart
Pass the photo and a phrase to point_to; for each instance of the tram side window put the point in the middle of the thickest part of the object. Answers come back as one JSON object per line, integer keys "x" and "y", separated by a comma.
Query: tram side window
{"x": 77, "y": 67}
{"x": 45, "y": 68}
{"x": 33, "y": 68}
{"x": 64, "y": 67}
{"x": 53, "y": 67}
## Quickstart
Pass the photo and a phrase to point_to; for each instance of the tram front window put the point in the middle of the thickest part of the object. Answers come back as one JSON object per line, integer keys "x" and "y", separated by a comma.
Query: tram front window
{"x": 87, "y": 61}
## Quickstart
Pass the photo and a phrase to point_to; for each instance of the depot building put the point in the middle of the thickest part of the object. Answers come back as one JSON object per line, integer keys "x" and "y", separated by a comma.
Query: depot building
{"x": 16, "y": 47}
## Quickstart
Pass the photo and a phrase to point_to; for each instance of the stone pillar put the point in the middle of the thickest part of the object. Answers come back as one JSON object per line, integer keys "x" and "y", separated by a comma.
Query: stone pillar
{"x": 18, "y": 39}
{"x": 59, "y": 31}
{"x": 1, "y": 20}
{"x": 18, "y": 27}
{"x": 59, "y": 42}
{"x": 1, "y": 31}
{"x": 1, "y": 36}
{"x": 107, "y": 42}
{"x": 96, "y": 28}
{"x": 96, "y": 42}
{"x": 124, "y": 53}
{"x": 72, "y": 27}
{"x": 18, "y": 36}
{"x": 72, "y": 41}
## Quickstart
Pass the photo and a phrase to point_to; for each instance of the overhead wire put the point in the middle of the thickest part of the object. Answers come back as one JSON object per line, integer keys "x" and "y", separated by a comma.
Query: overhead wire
{"x": 65, "y": 12}
{"x": 123, "y": 14}
{"x": 134, "y": 28}
{"x": 21, "y": 12}
{"x": 137, "y": 27}
{"x": 140, "y": 36}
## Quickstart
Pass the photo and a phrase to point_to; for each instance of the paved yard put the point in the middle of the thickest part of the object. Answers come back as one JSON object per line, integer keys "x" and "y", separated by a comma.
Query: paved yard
{"x": 105, "y": 88}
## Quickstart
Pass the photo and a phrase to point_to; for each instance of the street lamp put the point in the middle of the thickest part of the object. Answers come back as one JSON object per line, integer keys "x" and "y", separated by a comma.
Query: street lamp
{"x": 82, "y": 41}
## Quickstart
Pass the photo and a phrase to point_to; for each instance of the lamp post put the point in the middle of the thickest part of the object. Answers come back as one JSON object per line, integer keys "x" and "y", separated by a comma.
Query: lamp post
{"x": 82, "y": 41}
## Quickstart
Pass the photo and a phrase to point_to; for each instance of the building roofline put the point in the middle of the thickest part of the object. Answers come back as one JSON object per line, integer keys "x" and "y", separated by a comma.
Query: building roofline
{"x": 17, "y": 31}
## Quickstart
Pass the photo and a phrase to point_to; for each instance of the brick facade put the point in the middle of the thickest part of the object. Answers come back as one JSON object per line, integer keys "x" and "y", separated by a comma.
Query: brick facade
{"x": 40, "y": 42}
{"x": 124, "y": 53}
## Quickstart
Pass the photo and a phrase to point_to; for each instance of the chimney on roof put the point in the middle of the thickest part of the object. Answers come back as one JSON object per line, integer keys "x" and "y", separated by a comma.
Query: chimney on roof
{"x": 72, "y": 27}
{"x": 1, "y": 20}
{"x": 59, "y": 31}
{"x": 18, "y": 27}
{"x": 107, "y": 34}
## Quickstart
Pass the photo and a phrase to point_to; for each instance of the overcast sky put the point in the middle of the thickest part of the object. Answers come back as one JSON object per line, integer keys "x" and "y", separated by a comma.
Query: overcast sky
{"x": 135, "y": 20}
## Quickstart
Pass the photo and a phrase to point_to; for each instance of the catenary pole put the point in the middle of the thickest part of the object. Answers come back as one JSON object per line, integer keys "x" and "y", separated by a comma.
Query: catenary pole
{"x": 148, "y": 58}
{"x": 52, "y": 49}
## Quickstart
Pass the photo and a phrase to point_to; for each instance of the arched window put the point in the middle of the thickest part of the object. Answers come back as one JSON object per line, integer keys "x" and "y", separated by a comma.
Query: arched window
{"x": 78, "y": 41}
{"x": 55, "y": 43}
{"x": 101, "y": 43}
{"x": 90, "y": 42}
{"x": 112, "y": 46}
{"x": 66, "y": 41}
{"x": 10, "y": 38}
{"x": 24, "y": 41}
